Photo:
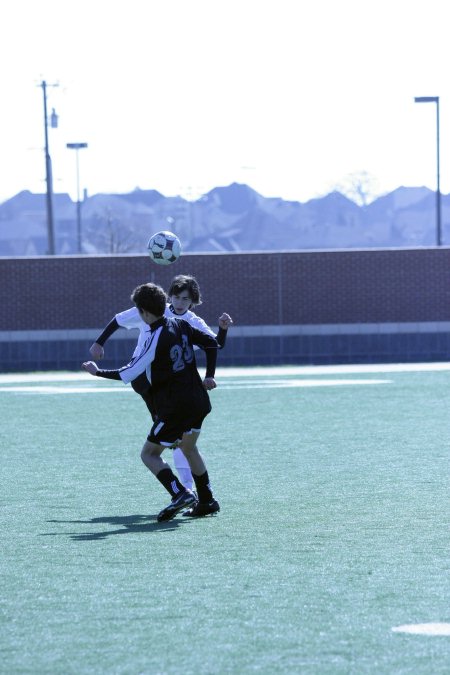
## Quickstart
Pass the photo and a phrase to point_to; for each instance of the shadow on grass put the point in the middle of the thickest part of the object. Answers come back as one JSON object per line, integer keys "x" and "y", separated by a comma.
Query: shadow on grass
{"x": 125, "y": 524}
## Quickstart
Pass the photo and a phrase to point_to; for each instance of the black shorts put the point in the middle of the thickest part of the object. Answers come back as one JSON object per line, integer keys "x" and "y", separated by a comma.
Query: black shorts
{"x": 169, "y": 432}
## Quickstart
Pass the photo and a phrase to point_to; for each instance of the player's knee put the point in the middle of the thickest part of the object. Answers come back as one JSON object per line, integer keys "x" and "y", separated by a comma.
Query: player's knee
{"x": 188, "y": 449}
{"x": 149, "y": 450}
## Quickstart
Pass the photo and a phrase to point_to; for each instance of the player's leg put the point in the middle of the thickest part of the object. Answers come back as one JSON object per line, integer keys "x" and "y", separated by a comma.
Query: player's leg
{"x": 181, "y": 498}
{"x": 206, "y": 505}
{"x": 151, "y": 456}
{"x": 180, "y": 462}
{"x": 191, "y": 452}
{"x": 183, "y": 469}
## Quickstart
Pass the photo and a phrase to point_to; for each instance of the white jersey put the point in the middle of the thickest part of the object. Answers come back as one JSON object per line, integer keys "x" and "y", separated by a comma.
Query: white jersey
{"x": 131, "y": 318}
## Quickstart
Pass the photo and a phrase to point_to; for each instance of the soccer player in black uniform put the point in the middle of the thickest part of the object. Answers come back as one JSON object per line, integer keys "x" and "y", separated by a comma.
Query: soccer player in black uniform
{"x": 166, "y": 363}
{"x": 183, "y": 295}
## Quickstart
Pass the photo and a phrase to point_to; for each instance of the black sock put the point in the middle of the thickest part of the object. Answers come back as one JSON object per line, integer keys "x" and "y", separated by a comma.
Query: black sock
{"x": 204, "y": 491}
{"x": 173, "y": 486}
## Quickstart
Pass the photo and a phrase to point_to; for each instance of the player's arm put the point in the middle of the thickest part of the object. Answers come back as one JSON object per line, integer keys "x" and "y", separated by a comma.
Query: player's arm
{"x": 140, "y": 383}
{"x": 92, "y": 368}
{"x": 225, "y": 321}
{"x": 135, "y": 370}
{"x": 128, "y": 319}
{"x": 211, "y": 360}
{"x": 210, "y": 346}
{"x": 96, "y": 350}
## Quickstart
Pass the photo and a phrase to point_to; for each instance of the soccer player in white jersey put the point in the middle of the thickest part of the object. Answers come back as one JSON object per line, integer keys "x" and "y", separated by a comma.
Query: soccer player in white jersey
{"x": 184, "y": 294}
{"x": 166, "y": 364}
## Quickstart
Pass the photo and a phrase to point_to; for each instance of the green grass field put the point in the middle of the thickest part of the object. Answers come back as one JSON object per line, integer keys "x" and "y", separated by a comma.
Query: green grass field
{"x": 334, "y": 528}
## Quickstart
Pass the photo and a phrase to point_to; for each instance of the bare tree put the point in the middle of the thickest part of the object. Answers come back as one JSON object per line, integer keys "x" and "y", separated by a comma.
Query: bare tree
{"x": 360, "y": 187}
{"x": 111, "y": 234}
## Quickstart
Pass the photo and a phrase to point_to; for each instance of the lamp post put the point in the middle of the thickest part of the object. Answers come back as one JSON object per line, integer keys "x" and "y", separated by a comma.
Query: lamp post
{"x": 435, "y": 99}
{"x": 48, "y": 170}
{"x": 77, "y": 147}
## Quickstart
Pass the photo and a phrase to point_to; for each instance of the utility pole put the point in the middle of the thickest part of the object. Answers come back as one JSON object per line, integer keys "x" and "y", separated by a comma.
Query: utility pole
{"x": 48, "y": 171}
{"x": 435, "y": 99}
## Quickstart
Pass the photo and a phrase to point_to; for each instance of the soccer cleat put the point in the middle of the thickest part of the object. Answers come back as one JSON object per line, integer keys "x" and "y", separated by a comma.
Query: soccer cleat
{"x": 182, "y": 501}
{"x": 199, "y": 509}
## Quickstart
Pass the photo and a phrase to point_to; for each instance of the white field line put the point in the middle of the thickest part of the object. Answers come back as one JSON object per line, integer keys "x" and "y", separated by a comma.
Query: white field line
{"x": 263, "y": 371}
{"x": 266, "y": 384}
{"x": 282, "y": 384}
{"x": 63, "y": 390}
{"x": 332, "y": 370}
{"x": 424, "y": 629}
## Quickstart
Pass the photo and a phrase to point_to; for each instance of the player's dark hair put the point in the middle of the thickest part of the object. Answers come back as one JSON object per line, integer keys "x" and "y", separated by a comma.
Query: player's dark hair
{"x": 151, "y": 298}
{"x": 186, "y": 282}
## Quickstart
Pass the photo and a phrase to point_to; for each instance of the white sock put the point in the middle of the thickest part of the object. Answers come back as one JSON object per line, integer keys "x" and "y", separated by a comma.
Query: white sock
{"x": 183, "y": 468}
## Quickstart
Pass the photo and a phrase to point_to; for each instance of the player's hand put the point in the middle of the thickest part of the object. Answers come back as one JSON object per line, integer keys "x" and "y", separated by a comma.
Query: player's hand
{"x": 96, "y": 351}
{"x": 225, "y": 321}
{"x": 209, "y": 383}
{"x": 90, "y": 367}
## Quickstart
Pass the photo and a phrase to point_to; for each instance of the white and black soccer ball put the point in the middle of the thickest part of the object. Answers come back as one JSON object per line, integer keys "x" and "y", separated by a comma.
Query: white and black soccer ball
{"x": 164, "y": 248}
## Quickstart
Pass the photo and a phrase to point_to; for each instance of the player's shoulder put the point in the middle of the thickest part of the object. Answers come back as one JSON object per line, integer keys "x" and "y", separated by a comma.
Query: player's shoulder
{"x": 128, "y": 316}
{"x": 199, "y": 323}
{"x": 131, "y": 311}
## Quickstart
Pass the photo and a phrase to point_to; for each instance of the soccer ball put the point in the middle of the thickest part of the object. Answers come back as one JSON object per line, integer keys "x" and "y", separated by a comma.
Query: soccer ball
{"x": 164, "y": 248}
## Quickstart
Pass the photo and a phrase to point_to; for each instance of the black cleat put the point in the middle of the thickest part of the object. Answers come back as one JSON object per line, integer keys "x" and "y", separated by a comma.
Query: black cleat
{"x": 199, "y": 509}
{"x": 182, "y": 501}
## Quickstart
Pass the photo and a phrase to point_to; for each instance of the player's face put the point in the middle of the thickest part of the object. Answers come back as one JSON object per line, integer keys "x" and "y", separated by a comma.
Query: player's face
{"x": 181, "y": 302}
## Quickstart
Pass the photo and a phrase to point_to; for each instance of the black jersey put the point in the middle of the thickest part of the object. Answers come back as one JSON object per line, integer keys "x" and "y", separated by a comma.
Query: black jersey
{"x": 166, "y": 363}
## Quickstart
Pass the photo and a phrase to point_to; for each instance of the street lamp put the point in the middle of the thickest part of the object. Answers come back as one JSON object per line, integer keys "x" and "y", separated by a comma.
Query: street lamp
{"x": 48, "y": 169}
{"x": 77, "y": 147}
{"x": 435, "y": 99}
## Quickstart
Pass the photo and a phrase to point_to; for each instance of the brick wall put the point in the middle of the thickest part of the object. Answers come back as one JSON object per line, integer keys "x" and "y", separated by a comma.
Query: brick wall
{"x": 317, "y": 287}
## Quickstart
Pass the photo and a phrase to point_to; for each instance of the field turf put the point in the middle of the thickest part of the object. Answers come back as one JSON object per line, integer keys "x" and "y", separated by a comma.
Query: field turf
{"x": 333, "y": 530}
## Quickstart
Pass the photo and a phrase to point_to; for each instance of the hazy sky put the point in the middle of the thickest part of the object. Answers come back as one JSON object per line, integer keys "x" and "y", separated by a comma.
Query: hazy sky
{"x": 288, "y": 96}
